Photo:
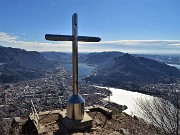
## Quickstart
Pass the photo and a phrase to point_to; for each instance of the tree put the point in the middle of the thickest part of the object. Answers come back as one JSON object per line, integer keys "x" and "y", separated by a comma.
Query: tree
{"x": 162, "y": 114}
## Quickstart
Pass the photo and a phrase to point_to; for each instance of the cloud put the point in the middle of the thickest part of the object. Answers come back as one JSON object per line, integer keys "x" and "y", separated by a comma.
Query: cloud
{"x": 129, "y": 46}
{"x": 142, "y": 42}
{"x": 137, "y": 46}
{"x": 4, "y": 37}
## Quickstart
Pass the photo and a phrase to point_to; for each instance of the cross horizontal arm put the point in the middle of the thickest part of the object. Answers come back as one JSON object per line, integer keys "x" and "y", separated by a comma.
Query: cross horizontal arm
{"x": 59, "y": 37}
{"x": 88, "y": 39}
{"x": 71, "y": 38}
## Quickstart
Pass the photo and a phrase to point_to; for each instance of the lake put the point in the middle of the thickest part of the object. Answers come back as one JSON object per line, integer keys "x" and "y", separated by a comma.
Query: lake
{"x": 83, "y": 69}
{"x": 128, "y": 98}
{"x": 174, "y": 65}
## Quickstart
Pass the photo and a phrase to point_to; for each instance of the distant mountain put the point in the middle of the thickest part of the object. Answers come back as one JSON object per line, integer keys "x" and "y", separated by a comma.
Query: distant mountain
{"x": 17, "y": 64}
{"x": 61, "y": 58}
{"x": 170, "y": 59}
{"x": 103, "y": 59}
{"x": 129, "y": 70}
{"x": 56, "y": 56}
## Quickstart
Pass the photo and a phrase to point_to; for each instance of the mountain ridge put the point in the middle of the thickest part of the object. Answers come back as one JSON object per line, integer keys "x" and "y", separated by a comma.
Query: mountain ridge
{"x": 127, "y": 69}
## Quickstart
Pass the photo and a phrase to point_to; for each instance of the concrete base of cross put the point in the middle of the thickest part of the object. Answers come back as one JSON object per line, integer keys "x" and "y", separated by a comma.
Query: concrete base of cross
{"x": 84, "y": 124}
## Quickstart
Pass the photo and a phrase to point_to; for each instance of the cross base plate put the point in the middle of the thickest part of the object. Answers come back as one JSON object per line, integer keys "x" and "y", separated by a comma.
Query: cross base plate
{"x": 84, "y": 124}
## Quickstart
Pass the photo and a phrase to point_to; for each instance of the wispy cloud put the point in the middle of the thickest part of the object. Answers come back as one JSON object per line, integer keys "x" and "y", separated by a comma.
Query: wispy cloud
{"x": 13, "y": 41}
{"x": 130, "y": 46}
{"x": 138, "y": 46}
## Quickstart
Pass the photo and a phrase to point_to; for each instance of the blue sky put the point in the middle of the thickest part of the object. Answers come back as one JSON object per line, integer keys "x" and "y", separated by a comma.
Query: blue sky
{"x": 134, "y": 26}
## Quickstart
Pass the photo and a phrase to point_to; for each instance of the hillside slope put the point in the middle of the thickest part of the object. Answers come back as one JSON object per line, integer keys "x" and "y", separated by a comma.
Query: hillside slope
{"x": 103, "y": 59}
{"x": 17, "y": 64}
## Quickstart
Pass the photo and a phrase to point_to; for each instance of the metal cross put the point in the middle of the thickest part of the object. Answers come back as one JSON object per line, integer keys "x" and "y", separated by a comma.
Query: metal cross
{"x": 74, "y": 38}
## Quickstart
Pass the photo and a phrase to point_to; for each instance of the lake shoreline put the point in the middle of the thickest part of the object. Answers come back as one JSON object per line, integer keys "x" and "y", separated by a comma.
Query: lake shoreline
{"x": 163, "y": 91}
{"x": 127, "y": 98}
{"x": 155, "y": 90}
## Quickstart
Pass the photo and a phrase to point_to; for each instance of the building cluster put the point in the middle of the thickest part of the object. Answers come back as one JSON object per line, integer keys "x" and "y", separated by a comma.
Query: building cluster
{"x": 47, "y": 93}
{"x": 161, "y": 90}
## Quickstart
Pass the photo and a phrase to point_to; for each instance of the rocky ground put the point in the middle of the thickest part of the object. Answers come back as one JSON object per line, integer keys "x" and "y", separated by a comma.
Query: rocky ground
{"x": 120, "y": 124}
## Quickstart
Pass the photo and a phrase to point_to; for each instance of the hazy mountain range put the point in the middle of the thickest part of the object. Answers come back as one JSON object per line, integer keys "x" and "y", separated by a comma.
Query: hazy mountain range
{"x": 115, "y": 68}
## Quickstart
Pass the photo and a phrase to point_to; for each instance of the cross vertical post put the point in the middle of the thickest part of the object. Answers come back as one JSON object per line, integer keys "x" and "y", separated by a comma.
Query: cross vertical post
{"x": 75, "y": 54}
{"x": 75, "y": 103}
